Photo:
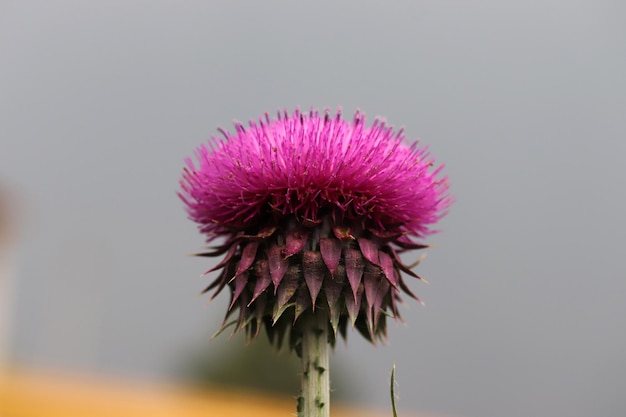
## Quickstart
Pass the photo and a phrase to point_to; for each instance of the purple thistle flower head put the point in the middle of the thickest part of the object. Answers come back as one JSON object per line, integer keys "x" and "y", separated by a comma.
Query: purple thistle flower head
{"x": 313, "y": 210}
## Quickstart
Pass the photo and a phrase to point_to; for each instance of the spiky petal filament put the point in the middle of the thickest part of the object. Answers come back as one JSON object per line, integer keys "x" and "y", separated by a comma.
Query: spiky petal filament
{"x": 308, "y": 166}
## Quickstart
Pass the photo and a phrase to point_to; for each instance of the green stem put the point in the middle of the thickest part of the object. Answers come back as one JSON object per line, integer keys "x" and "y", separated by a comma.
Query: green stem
{"x": 315, "y": 398}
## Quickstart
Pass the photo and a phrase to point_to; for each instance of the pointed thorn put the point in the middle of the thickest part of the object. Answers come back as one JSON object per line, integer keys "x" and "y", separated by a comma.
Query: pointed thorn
{"x": 224, "y": 261}
{"x": 313, "y": 268}
{"x": 354, "y": 264}
{"x": 419, "y": 261}
{"x": 263, "y": 278}
{"x": 278, "y": 265}
{"x": 331, "y": 253}
{"x": 386, "y": 264}
{"x": 248, "y": 254}
{"x": 240, "y": 284}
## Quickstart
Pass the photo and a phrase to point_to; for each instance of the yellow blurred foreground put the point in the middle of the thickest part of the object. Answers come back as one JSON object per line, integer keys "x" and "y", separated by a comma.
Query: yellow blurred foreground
{"x": 54, "y": 394}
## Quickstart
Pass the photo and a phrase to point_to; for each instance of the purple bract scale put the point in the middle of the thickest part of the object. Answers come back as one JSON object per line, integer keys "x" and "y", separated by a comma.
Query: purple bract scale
{"x": 313, "y": 210}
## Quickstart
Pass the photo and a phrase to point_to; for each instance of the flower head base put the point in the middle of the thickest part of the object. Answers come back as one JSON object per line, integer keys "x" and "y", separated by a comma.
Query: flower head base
{"x": 314, "y": 211}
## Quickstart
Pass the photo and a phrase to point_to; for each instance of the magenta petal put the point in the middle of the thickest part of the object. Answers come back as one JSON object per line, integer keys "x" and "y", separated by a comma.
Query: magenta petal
{"x": 354, "y": 268}
{"x": 369, "y": 250}
{"x": 240, "y": 283}
{"x": 296, "y": 239}
{"x": 313, "y": 268}
{"x": 263, "y": 278}
{"x": 386, "y": 263}
{"x": 301, "y": 164}
{"x": 247, "y": 257}
{"x": 278, "y": 265}
{"x": 331, "y": 253}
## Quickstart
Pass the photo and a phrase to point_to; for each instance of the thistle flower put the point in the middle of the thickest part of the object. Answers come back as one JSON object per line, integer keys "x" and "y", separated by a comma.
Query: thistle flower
{"x": 313, "y": 211}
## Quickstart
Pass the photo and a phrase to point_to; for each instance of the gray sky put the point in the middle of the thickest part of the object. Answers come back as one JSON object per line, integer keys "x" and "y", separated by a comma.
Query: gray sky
{"x": 525, "y": 102}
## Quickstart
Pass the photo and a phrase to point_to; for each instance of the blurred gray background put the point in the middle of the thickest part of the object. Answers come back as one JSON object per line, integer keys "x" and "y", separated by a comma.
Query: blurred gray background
{"x": 524, "y": 101}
